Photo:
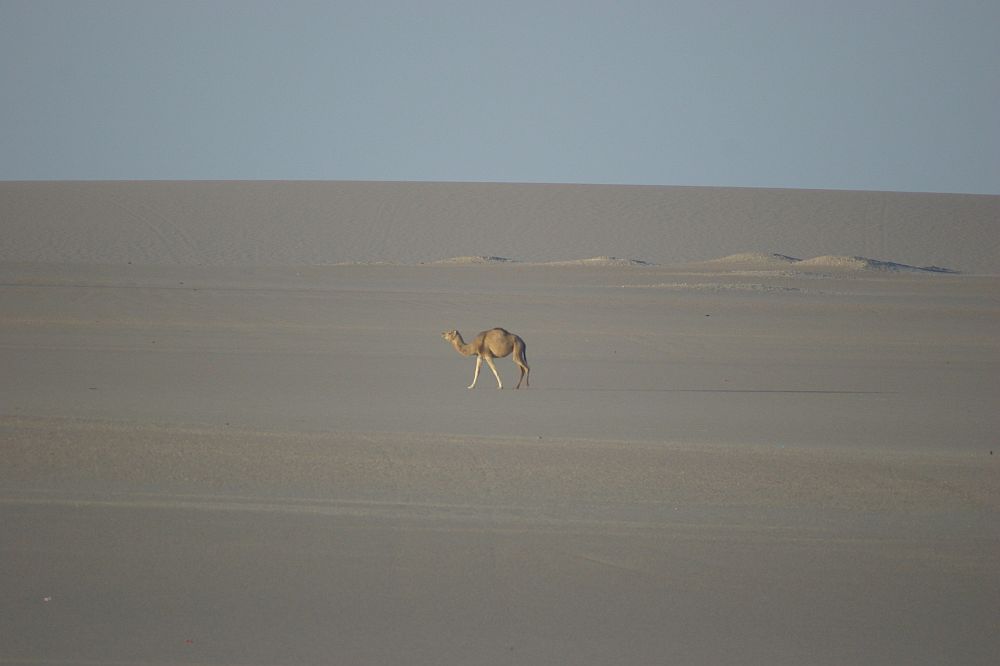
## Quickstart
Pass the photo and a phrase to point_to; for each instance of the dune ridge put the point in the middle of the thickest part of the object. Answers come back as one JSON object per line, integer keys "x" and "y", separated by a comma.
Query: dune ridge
{"x": 742, "y": 261}
{"x": 600, "y": 261}
{"x": 476, "y": 260}
{"x": 761, "y": 261}
{"x": 473, "y": 260}
{"x": 296, "y": 223}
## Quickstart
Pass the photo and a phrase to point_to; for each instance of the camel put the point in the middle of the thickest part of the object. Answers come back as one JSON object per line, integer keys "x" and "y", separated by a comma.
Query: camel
{"x": 488, "y": 345}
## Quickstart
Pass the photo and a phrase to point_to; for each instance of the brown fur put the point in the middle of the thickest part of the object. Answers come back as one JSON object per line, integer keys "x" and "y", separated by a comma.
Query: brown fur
{"x": 488, "y": 345}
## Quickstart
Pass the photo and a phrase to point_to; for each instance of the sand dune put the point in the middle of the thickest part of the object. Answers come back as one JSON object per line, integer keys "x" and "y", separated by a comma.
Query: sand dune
{"x": 230, "y": 432}
{"x": 866, "y": 264}
{"x": 471, "y": 261}
{"x": 760, "y": 261}
{"x": 752, "y": 259}
{"x": 590, "y": 261}
{"x": 741, "y": 261}
{"x": 599, "y": 261}
{"x": 320, "y": 223}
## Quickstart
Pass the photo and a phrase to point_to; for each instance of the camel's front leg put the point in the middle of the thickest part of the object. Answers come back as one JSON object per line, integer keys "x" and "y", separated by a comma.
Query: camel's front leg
{"x": 475, "y": 377}
{"x": 493, "y": 367}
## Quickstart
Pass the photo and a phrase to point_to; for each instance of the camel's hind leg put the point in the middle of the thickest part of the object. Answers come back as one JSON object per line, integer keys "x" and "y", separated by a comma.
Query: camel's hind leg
{"x": 522, "y": 363}
{"x": 489, "y": 362}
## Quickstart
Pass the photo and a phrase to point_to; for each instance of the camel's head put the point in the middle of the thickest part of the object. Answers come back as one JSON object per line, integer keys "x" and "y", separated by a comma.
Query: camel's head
{"x": 450, "y": 336}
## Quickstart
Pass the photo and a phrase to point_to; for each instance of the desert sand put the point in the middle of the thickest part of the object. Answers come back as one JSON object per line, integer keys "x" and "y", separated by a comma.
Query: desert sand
{"x": 761, "y": 428}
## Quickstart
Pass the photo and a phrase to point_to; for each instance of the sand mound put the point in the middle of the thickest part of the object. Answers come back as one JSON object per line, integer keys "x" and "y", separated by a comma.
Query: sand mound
{"x": 756, "y": 261}
{"x": 472, "y": 260}
{"x": 294, "y": 223}
{"x": 475, "y": 260}
{"x": 599, "y": 261}
{"x": 830, "y": 262}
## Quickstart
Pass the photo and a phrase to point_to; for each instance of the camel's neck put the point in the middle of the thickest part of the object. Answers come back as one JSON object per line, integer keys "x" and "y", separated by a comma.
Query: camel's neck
{"x": 464, "y": 349}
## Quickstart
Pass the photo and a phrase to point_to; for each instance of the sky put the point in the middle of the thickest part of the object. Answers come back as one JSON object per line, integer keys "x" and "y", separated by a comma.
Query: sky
{"x": 872, "y": 95}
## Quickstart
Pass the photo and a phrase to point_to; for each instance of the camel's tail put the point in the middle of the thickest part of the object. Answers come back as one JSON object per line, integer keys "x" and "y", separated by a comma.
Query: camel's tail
{"x": 521, "y": 357}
